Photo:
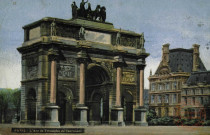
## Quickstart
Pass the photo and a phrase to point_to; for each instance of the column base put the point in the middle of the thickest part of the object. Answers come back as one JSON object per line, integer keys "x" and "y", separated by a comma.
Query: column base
{"x": 117, "y": 117}
{"x": 140, "y": 117}
{"x": 39, "y": 123}
{"x": 68, "y": 123}
{"x": 23, "y": 122}
{"x": 82, "y": 119}
{"x": 53, "y": 114}
{"x": 94, "y": 123}
{"x": 52, "y": 124}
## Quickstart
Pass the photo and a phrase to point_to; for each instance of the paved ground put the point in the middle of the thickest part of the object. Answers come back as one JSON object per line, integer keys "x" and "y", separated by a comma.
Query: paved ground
{"x": 5, "y": 129}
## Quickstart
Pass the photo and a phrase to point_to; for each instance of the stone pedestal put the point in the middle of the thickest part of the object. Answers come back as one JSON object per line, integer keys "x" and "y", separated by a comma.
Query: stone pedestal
{"x": 117, "y": 117}
{"x": 140, "y": 117}
{"x": 39, "y": 123}
{"x": 53, "y": 114}
{"x": 94, "y": 123}
{"x": 82, "y": 119}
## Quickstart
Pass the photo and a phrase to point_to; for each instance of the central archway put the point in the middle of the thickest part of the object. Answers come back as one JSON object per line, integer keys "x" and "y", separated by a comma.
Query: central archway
{"x": 97, "y": 95}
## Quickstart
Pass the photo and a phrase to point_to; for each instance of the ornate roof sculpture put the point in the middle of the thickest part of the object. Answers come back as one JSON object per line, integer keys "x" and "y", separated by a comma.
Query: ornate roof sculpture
{"x": 98, "y": 14}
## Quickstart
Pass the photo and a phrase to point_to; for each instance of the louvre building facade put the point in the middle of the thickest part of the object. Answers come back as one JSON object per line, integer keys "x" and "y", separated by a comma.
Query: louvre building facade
{"x": 166, "y": 85}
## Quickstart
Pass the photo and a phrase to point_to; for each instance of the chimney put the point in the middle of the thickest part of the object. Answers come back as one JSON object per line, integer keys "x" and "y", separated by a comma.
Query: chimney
{"x": 196, "y": 57}
{"x": 165, "y": 54}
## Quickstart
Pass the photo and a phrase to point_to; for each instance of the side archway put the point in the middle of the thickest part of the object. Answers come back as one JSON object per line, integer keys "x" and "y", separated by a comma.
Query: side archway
{"x": 127, "y": 104}
{"x": 64, "y": 101}
{"x": 31, "y": 106}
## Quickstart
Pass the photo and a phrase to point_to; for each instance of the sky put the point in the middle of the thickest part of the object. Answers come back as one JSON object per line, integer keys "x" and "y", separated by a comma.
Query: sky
{"x": 181, "y": 23}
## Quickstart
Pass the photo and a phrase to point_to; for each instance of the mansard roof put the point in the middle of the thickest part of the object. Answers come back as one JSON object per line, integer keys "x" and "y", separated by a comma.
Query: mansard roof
{"x": 199, "y": 77}
{"x": 182, "y": 59}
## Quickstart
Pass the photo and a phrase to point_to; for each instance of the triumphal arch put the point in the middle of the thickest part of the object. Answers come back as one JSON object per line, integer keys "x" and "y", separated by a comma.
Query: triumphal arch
{"x": 82, "y": 71}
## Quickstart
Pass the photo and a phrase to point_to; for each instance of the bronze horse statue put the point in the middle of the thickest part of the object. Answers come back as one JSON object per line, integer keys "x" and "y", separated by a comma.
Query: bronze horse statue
{"x": 98, "y": 14}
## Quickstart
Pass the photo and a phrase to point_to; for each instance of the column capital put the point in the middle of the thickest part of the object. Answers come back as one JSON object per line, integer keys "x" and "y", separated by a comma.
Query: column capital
{"x": 119, "y": 62}
{"x": 82, "y": 57}
{"x": 82, "y": 54}
{"x": 140, "y": 64}
{"x": 141, "y": 67}
{"x": 53, "y": 57}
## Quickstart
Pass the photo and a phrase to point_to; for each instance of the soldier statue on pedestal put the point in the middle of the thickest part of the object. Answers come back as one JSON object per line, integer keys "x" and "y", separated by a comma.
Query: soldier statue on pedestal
{"x": 118, "y": 38}
{"x": 82, "y": 33}
{"x": 53, "y": 28}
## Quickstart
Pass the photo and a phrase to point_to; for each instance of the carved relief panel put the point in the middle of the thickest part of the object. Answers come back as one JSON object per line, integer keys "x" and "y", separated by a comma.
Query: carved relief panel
{"x": 128, "y": 77}
{"x": 67, "y": 69}
{"x": 129, "y": 41}
{"x": 32, "y": 67}
{"x": 67, "y": 31}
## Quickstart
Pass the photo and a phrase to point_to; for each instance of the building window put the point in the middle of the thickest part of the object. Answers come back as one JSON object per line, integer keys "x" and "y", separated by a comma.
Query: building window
{"x": 193, "y": 100}
{"x": 152, "y": 99}
{"x": 166, "y": 98}
{"x": 163, "y": 86}
{"x": 205, "y": 91}
{"x": 185, "y": 113}
{"x": 185, "y": 100}
{"x": 179, "y": 98}
{"x": 159, "y": 98}
{"x": 175, "y": 112}
{"x": 201, "y": 91}
{"x": 153, "y": 86}
{"x": 198, "y": 113}
{"x": 174, "y": 85}
{"x": 201, "y": 100}
{"x": 166, "y": 112}
{"x": 193, "y": 92}
{"x": 196, "y": 92}
{"x": 205, "y": 100}
{"x": 174, "y": 98}
{"x": 167, "y": 86}
{"x": 180, "y": 85}
{"x": 159, "y": 112}
{"x": 192, "y": 112}
{"x": 160, "y": 86}
{"x": 185, "y": 92}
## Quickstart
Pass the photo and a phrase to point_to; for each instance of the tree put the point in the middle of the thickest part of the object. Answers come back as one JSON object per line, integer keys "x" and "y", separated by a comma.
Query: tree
{"x": 151, "y": 114}
{"x": 16, "y": 94}
{"x": 5, "y": 98}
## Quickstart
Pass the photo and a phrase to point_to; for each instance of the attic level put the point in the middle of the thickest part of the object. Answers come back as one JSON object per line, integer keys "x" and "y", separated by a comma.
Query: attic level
{"x": 94, "y": 31}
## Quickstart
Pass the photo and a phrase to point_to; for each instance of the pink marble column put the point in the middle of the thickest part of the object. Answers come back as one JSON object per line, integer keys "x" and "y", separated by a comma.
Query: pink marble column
{"x": 53, "y": 82}
{"x": 82, "y": 84}
{"x": 141, "y": 93}
{"x": 118, "y": 83}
